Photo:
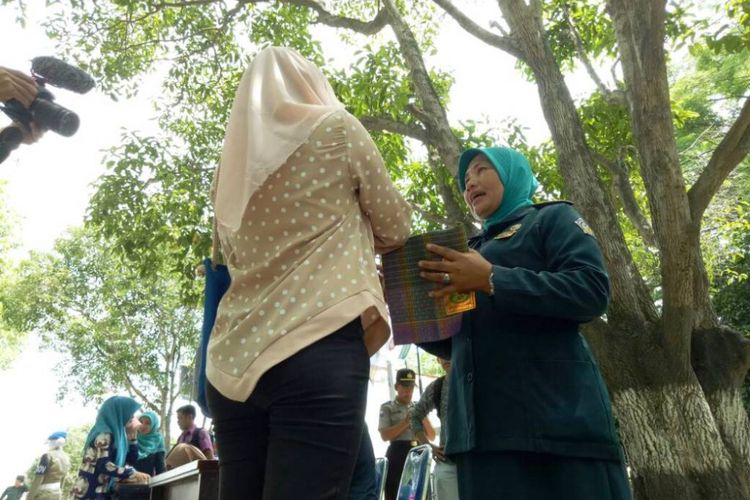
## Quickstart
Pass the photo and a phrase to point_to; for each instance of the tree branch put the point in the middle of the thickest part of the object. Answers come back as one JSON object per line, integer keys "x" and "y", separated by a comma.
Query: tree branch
{"x": 456, "y": 213}
{"x": 417, "y": 113}
{"x": 627, "y": 196}
{"x": 729, "y": 153}
{"x": 436, "y": 219}
{"x": 184, "y": 3}
{"x": 504, "y": 43}
{"x": 435, "y": 118}
{"x": 336, "y": 21}
{"x": 379, "y": 123}
{"x": 613, "y": 97}
{"x": 132, "y": 386}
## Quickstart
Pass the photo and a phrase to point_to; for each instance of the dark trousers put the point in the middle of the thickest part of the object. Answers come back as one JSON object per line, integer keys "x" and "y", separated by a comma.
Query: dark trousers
{"x": 396, "y": 454}
{"x": 364, "y": 485}
{"x": 298, "y": 434}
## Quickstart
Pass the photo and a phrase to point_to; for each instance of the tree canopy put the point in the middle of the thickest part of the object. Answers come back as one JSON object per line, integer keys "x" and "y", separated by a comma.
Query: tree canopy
{"x": 120, "y": 329}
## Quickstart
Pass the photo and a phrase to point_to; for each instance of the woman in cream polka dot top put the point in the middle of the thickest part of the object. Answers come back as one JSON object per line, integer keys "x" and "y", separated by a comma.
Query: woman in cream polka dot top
{"x": 303, "y": 205}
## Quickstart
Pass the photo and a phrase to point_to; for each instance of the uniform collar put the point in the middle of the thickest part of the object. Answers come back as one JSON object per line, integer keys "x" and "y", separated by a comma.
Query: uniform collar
{"x": 495, "y": 229}
{"x": 519, "y": 214}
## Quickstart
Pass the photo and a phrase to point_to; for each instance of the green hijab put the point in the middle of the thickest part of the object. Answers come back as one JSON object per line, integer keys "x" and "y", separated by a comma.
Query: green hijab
{"x": 515, "y": 173}
{"x": 153, "y": 442}
{"x": 114, "y": 413}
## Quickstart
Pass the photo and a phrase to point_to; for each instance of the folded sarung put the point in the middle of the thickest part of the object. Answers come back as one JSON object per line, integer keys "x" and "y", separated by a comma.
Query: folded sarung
{"x": 415, "y": 316}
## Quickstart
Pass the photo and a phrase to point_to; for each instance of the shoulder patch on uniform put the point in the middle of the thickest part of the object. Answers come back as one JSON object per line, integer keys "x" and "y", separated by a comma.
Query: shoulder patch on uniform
{"x": 584, "y": 227}
{"x": 508, "y": 232}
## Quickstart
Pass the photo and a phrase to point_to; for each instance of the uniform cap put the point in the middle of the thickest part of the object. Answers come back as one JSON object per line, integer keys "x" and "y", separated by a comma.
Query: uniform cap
{"x": 406, "y": 376}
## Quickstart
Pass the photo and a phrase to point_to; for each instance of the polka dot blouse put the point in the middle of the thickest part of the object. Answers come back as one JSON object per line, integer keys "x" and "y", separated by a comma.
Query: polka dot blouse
{"x": 303, "y": 261}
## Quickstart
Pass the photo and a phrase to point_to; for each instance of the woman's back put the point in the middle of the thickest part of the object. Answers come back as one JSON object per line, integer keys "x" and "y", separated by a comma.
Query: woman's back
{"x": 302, "y": 262}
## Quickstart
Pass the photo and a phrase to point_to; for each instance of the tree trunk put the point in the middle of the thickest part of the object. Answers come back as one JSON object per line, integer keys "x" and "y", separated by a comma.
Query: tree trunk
{"x": 674, "y": 430}
{"x": 629, "y": 296}
{"x": 674, "y": 448}
{"x": 721, "y": 358}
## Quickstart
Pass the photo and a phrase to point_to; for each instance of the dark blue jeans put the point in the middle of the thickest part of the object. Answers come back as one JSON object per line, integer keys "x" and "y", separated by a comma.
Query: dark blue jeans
{"x": 364, "y": 481}
{"x": 298, "y": 434}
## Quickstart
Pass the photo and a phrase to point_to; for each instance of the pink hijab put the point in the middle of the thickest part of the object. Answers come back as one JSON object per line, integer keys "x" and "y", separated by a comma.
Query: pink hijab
{"x": 281, "y": 99}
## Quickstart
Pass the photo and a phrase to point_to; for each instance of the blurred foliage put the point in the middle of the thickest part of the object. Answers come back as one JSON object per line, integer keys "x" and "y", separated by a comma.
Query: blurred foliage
{"x": 120, "y": 330}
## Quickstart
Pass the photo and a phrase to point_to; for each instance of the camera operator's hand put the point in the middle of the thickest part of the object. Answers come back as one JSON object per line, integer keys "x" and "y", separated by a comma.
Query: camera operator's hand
{"x": 16, "y": 85}
{"x": 30, "y": 134}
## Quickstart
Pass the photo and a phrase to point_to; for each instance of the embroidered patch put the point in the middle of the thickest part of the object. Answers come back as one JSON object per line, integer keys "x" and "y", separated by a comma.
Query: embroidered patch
{"x": 508, "y": 232}
{"x": 585, "y": 227}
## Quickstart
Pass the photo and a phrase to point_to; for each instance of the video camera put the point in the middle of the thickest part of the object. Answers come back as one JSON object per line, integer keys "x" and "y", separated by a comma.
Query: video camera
{"x": 46, "y": 114}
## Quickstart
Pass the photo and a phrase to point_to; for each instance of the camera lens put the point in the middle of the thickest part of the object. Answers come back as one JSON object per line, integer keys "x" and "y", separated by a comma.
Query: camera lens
{"x": 51, "y": 116}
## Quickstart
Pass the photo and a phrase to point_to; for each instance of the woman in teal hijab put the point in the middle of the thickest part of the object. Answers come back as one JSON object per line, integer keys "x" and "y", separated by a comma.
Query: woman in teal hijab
{"x": 151, "y": 448}
{"x": 110, "y": 447}
{"x": 529, "y": 414}
{"x": 514, "y": 173}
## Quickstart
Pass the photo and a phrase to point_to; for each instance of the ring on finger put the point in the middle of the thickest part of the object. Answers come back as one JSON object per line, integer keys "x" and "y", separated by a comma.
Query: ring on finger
{"x": 446, "y": 279}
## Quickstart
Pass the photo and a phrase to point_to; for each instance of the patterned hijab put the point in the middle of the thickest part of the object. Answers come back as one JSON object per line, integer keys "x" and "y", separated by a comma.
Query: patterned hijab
{"x": 281, "y": 99}
{"x": 114, "y": 413}
{"x": 515, "y": 173}
{"x": 153, "y": 441}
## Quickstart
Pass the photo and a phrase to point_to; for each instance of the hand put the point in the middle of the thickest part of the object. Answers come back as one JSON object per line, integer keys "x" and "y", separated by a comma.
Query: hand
{"x": 132, "y": 427}
{"x": 381, "y": 276}
{"x": 30, "y": 134}
{"x": 468, "y": 271}
{"x": 438, "y": 453}
{"x": 17, "y": 85}
{"x": 137, "y": 478}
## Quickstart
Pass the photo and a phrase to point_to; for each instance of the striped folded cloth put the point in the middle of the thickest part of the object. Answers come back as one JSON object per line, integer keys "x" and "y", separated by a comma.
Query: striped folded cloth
{"x": 416, "y": 317}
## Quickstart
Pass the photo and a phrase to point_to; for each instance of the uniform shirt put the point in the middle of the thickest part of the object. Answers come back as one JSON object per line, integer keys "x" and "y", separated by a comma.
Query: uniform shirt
{"x": 52, "y": 468}
{"x": 392, "y": 413}
{"x": 522, "y": 376}
{"x": 302, "y": 262}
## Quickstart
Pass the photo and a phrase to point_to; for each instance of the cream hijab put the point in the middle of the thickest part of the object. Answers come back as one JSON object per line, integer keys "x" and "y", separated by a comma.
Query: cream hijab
{"x": 281, "y": 99}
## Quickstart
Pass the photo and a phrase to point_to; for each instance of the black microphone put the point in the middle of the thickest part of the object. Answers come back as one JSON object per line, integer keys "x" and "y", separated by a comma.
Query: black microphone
{"x": 61, "y": 74}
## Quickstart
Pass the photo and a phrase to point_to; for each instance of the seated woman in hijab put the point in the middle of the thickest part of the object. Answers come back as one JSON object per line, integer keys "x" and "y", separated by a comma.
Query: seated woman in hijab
{"x": 303, "y": 204}
{"x": 150, "y": 445}
{"x": 110, "y": 445}
{"x": 529, "y": 413}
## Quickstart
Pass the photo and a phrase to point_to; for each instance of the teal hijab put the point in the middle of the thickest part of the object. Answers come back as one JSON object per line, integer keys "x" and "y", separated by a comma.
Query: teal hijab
{"x": 153, "y": 442}
{"x": 515, "y": 173}
{"x": 114, "y": 413}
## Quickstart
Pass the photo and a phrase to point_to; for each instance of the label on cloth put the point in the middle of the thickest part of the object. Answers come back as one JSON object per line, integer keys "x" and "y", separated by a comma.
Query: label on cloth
{"x": 584, "y": 227}
{"x": 508, "y": 232}
{"x": 459, "y": 302}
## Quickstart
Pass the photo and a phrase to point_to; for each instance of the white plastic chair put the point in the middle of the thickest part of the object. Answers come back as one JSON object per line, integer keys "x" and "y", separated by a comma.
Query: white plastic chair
{"x": 415, "y": 476}
{"x": 381, "y": 473}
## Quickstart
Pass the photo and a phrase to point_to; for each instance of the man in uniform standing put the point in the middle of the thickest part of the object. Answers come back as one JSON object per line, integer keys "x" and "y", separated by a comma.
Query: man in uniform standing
{"x": 395, "y": 426}
{"x": 51, "y": 470}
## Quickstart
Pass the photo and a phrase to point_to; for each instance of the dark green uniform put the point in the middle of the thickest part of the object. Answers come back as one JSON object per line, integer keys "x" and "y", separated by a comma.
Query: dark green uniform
{"x": 530, "y": 417}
